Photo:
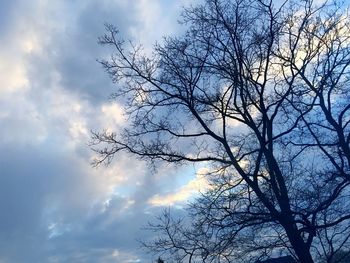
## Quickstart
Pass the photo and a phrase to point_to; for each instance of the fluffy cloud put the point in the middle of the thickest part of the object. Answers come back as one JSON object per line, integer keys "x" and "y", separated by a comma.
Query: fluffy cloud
{"x": 184, "y": 193}
{"x": 55, "y": 206}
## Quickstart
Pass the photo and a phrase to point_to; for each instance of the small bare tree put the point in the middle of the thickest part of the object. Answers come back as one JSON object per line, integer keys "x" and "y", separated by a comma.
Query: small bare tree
{"x": 259, "y": 93}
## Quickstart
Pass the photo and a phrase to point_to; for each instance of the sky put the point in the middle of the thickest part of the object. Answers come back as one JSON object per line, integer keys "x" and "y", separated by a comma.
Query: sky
{"x": 56, "y": 207}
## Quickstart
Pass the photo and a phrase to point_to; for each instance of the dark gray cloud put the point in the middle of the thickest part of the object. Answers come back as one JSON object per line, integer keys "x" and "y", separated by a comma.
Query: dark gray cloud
{"x": 71, "y": 48}
{"x": 78, "y": 50}
{"x": 30, "y": 178}
{"x": 54, "y": 208}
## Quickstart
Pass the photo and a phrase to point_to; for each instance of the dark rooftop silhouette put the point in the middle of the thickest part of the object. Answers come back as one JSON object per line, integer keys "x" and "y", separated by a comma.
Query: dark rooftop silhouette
{"x": 285, "y": 259}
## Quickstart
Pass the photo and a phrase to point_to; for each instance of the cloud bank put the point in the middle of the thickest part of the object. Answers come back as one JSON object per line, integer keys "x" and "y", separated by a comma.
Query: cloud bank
{"x": 55, "y": 206}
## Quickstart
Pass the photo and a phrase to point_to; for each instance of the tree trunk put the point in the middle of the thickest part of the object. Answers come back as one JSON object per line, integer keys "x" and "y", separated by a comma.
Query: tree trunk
{"x": 301, "y": 249}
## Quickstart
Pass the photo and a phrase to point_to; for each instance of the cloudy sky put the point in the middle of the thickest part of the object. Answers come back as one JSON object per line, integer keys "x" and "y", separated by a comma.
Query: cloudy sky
{"x": 54, "y": 206}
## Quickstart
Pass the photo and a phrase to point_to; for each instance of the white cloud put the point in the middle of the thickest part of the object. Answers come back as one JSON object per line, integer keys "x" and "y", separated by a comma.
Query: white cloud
{"x": 183, "y": 194}
{"x": 112, "y": 116}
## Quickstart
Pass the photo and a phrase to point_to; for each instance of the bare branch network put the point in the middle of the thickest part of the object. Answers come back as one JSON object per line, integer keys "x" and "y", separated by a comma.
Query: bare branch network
{"x": 259, "y": 92}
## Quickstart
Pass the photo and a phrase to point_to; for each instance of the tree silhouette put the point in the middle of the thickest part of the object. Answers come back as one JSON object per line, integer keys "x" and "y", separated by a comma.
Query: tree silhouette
{"x": 258, "y": 93}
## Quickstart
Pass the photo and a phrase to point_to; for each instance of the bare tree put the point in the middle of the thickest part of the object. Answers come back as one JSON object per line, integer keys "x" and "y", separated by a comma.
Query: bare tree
{"x": 259, "y": 93}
